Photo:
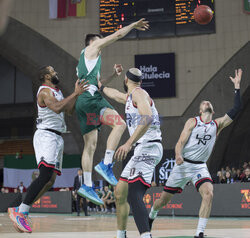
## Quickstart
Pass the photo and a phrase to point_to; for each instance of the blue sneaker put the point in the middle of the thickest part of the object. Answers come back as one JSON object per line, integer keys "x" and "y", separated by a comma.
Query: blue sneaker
{"x": 106, "y": 172}
{"x": 90, "y": 194}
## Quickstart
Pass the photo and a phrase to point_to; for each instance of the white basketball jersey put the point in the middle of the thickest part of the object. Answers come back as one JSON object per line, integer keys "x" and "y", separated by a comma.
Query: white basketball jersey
{"x": 201, "y": 141}
{"x": 47, "y": 119}
{"x": 133, "y": 119}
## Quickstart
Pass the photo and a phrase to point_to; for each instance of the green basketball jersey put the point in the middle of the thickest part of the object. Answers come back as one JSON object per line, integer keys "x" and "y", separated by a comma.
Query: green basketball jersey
{"x": 83, "y": 73}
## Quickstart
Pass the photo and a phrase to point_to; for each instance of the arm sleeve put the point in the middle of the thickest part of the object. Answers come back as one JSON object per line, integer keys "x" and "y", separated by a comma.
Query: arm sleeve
{"x": 237, "y": 105}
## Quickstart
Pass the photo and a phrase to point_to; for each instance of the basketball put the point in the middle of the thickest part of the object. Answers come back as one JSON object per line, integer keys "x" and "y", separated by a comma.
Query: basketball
{"x": 203, "y": 14}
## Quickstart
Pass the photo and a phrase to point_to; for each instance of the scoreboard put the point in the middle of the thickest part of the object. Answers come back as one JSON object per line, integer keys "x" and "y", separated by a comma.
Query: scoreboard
{"x": 166, "y": 17}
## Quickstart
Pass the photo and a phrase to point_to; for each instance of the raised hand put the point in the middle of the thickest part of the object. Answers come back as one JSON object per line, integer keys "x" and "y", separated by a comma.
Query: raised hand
{"x": 81, "y": 87}
{"x": 141, "y": 25}
{"x": 118, "y": 69}
{"x": 237, "y": 78}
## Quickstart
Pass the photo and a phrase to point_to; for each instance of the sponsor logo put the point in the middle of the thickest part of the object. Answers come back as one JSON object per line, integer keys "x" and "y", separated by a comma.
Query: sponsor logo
{"x": 203, "y": 140}
{"x": 145, "y": 159}
{"x": 245, "y": 202}
{"x": 165, "y": 169}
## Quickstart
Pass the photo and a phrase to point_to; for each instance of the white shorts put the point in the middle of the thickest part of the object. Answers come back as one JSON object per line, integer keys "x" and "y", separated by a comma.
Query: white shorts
{"x": 48, "y": 149}
{"x": 142, "y": 164}
{"x": 184, "y": 173}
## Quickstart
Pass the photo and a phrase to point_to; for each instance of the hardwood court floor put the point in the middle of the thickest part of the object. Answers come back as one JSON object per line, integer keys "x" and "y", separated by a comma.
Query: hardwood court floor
{"x": 104, "y": 226}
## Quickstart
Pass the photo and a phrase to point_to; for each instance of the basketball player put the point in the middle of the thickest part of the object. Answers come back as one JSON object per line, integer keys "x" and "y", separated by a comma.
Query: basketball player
{"x": 144, "y": 129}
{"x": 5, "y": 8}
{"x": 48, "y": 142}
{"x": 93, "y": 110}
{"x": 192, "y": 151}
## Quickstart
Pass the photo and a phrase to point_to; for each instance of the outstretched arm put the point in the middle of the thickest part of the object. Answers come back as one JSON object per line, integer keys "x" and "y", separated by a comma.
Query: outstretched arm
{"x": 47, "y": 98}
{"x": 230, "y": 116}
{"x": 113, "y": 93}
{"x": 185, "y": 134}
{"x": 94, "y": 49}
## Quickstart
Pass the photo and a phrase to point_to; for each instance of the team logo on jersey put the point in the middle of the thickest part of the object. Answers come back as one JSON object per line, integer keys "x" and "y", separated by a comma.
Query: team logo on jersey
{"x": 203, "y": 140}
{"x": 198, "y": 176}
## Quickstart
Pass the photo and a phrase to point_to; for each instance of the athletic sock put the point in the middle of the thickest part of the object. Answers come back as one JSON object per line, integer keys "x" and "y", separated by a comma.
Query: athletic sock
{"x": 121, "y": 234}
{"x": 201, "y": 225}
{"x": 23, "y": 208}
{"x": 87, "y": 179}
{"x": 153, "y": 213}
{"x": 108, "y": 158}
{"x": 146, "y": 235}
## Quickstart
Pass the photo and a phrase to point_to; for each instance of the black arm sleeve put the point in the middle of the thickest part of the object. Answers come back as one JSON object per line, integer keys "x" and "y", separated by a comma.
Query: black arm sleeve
{"x": 237, "y": 105}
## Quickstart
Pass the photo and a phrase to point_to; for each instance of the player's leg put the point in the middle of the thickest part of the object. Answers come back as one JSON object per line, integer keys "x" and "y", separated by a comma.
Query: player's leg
{"x": 111, "y": 118}
{"x": 90, "y": 142}
{"x": 86, "y": 190}
{"x": 175, "y": 184}
{"x": 206, "y": 191}
{"x": 122, "y": 208}
{"x": 203, "y": 183}
{"x": 145, "y": 158}
{"x": 136, "y": 193}
{"x": 35, "y": 191}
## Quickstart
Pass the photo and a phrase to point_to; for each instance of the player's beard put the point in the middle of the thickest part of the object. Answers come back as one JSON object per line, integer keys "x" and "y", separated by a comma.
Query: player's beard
{"x": 125, "y": 87}
{"x": 208, "y": 109}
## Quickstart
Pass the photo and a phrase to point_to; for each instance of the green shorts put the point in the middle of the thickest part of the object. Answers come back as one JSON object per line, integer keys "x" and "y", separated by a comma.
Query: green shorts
{"x": 88, "y": 110}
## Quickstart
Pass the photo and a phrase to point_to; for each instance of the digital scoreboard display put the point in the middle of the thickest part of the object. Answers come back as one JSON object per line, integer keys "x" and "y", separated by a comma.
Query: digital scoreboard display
{"x": 166, "y": 17}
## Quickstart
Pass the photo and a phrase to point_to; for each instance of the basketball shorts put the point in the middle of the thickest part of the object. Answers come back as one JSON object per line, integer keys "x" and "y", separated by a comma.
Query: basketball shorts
{"x": 184, "y": 173}
{"x": 88, "y": 110}
{"x": 48, "y": 149}
{"x": 142, "y": 164}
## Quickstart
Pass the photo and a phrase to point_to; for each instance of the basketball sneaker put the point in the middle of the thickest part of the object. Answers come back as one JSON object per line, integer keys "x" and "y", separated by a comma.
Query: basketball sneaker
{"x": 201, "y": 235}
{"x": 20, "y": 220}
{"x": 106, "y": 172}
{"x": 90, "y": 194}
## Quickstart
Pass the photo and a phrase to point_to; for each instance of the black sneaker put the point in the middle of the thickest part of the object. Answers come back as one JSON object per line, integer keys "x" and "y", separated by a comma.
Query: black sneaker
{"x": 150, "y": 221}
{"x": 201, "y": 235}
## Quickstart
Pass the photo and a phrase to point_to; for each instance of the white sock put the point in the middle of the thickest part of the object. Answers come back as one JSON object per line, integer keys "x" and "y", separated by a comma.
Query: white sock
{"x": 146, "y": 235}
{"x": 108, "y": 158}
{"x": 153, "y": 213}
{"x": 23, "y": 208}
{"x": 201, "y": 225}
{"x": 121, "y": 234}
{"x": 87, "y": 179}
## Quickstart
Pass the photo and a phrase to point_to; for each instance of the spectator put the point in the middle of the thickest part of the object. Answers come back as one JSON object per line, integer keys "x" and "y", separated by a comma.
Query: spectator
{"x": 78, "y": 182}
{"x": 237, "y": 177}
{"x": 229, "y": 179}
{"x": 247, "y": 176}
{"x": 100, "y": 195}
{"x": 21, "y": 188}
{"x": 111, "y": 202}
{"x": 245, "y": 165}
{"x": 223, "y": 179}
{"x": 2, "y": 190}
{"x": 106, "y": 196}
{"x": 15, "y": 190}
{"x": 233, "y": 173}
{"x": 218, "y": 177}
{"x": 223, "y": 171}
{"x": 6, "y": 190}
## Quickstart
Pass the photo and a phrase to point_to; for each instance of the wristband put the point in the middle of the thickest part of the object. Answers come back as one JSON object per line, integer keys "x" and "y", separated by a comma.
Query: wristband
{"x": 101, "y": 88}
